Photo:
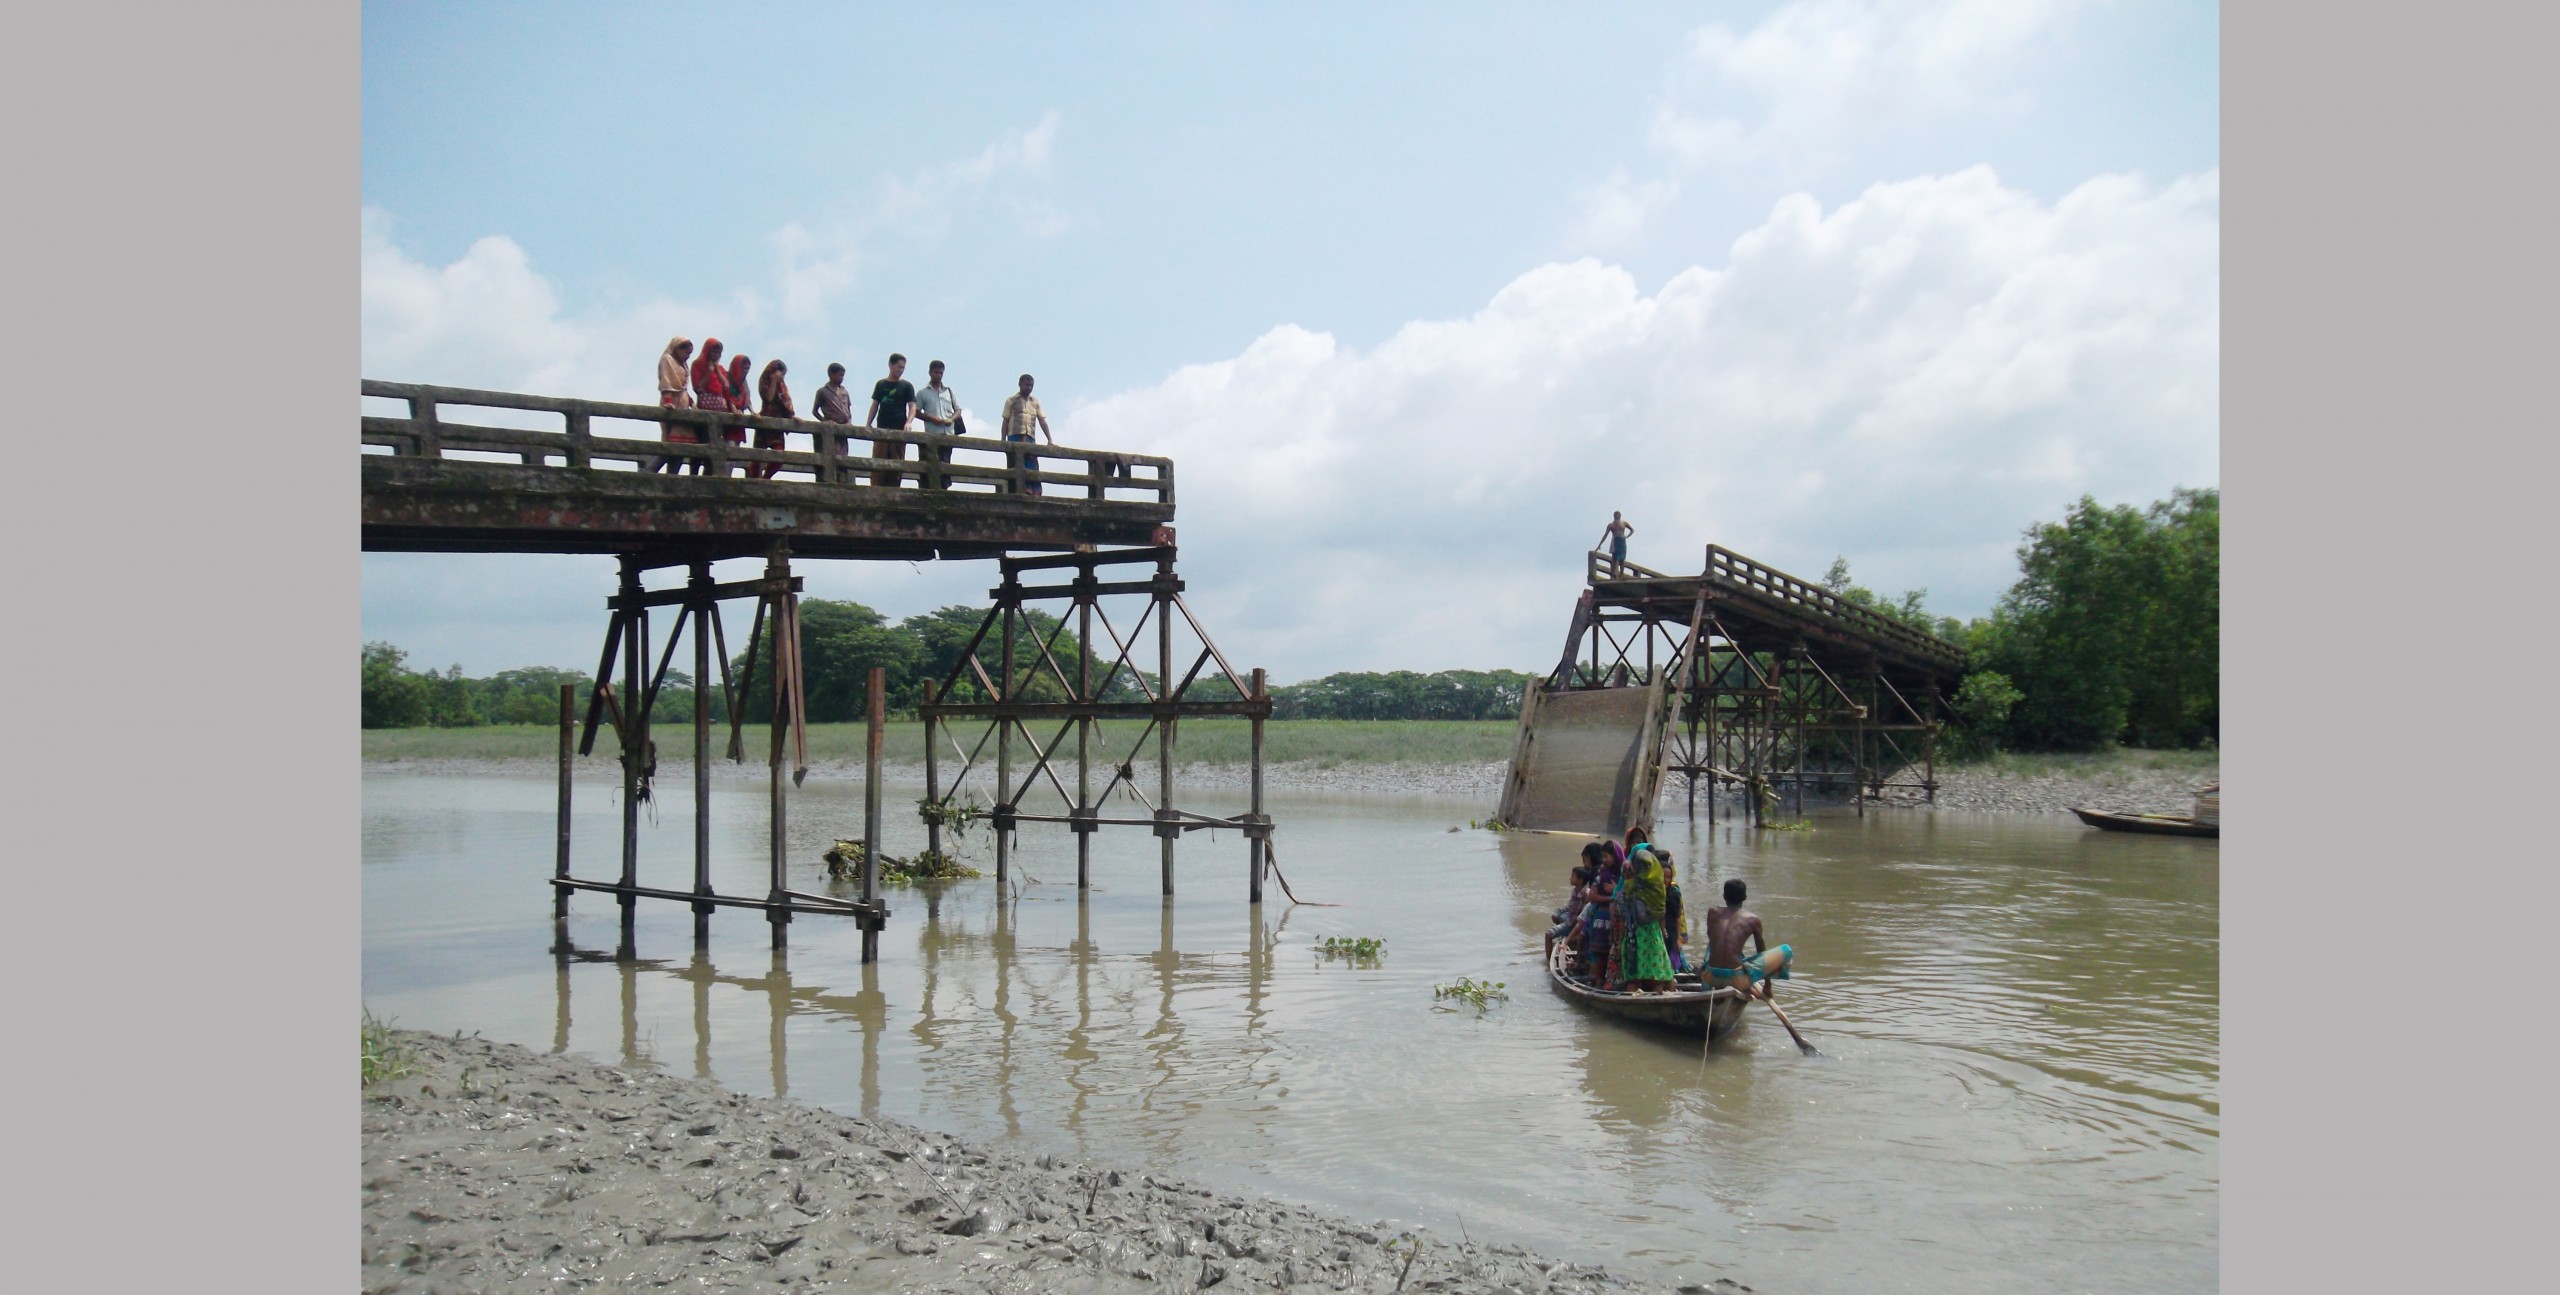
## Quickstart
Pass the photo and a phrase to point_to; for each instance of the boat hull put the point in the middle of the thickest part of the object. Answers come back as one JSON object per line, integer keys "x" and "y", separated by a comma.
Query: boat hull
{"x": 1713, "y": 1013}
{"x": 2155, "y": 824}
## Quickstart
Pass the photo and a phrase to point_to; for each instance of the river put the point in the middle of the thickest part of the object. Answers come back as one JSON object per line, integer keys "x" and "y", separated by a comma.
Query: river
{"x": 2018, "y": 1088}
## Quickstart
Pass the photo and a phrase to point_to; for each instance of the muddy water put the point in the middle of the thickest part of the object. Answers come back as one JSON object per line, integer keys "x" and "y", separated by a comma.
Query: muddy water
{"x": 2019, "y": 1087}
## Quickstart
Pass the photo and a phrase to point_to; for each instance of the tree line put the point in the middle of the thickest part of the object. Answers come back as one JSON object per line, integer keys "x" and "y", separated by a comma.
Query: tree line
{"x": 839, "y": 643}
{"x": 2111, "y": 635}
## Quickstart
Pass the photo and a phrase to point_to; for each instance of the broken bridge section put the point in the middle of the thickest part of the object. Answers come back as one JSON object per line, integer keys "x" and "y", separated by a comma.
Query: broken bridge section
{"x": 1741, "y": 678}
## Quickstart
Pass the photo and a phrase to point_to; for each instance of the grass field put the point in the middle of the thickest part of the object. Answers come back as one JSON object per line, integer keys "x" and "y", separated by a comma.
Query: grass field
{"x": 1323, "y": 742}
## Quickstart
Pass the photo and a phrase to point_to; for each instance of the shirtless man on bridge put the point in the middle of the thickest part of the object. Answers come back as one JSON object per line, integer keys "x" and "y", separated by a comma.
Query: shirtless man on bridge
{"x": 1727, "y": 930}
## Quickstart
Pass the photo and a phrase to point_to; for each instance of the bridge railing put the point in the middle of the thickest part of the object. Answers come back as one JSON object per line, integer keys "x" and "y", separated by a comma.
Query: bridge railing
{"x": 1733, "y": 571}
{"x": 602, "y": 435}
{"x": 1724, "y": 566}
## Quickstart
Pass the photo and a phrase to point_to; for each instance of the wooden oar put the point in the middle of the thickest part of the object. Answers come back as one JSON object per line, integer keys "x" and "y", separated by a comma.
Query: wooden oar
{"x": 1801, "y": 1045}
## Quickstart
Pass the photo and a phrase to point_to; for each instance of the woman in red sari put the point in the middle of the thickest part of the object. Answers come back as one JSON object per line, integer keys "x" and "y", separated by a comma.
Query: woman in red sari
{"x": 774, "y": 402}
{"x": 741, "y": 398}
{"x": 710, "y": 380}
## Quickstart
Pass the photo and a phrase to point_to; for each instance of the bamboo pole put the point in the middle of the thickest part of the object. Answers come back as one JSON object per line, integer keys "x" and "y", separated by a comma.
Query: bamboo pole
{"x": 1258, "y": 846}
{"x": 568, "y": 745}
{"x": 702, "y": 607}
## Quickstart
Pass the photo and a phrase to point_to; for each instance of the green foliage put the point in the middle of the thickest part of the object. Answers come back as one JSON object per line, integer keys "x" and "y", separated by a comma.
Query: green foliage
{"x": 956, "y": 815}
{"x": 1358, "y": 948}
{"x": 1911, "y": 608}
{"x": 398, "y": 697}
{"x": 1404, "y": 694}
{"x": 845, "y": 859}
{"x": 385, "y": 1056}
{"x": 1481, "y": 993}
{"x": 2113, "y": 632}
{"x": 1981, "y": 707}
{"x": 1799, "y": 825}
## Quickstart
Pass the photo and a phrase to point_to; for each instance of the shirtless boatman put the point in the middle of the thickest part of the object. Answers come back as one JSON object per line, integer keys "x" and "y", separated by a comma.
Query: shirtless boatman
{"x": 1727, "y": 930}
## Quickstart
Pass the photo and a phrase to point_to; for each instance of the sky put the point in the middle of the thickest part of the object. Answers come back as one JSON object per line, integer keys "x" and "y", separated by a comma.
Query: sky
{"x": 1414, "y": 296}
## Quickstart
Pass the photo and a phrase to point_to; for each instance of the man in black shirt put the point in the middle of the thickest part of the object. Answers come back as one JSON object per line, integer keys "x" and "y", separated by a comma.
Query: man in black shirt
{"x": 890, "y": 399}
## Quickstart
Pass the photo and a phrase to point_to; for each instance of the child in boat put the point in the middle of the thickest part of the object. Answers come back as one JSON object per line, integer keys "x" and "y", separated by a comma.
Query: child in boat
{"x": 1567, "y": 917}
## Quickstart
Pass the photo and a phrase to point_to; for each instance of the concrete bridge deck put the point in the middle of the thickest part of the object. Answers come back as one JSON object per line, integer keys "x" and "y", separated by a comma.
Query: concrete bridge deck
{"x": 577, "y": 482}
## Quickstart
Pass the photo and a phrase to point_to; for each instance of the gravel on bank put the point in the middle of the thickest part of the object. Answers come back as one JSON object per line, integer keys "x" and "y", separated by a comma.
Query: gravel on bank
{"x": 490, "y": 1167}
{"x": 2125, "y": 787}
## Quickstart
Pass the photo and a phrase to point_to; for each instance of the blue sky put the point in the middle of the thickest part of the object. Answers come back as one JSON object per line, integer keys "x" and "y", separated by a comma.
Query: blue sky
{"x": 1414, "y": 297}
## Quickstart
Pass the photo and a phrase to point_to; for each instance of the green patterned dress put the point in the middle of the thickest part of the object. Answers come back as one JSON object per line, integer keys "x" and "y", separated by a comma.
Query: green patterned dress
{"x": 1643, "y": 955}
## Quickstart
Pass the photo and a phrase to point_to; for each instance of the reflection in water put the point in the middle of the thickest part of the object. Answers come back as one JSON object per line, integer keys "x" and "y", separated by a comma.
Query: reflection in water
{"x": 2021, "y": 1079}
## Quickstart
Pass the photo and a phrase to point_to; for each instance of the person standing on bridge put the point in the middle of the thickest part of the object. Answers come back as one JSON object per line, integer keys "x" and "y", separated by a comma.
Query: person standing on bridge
{"x": 1021, "y": 415}
{"x": 938, "y": 409}
{"x": 890, "y": 397}
{"x": 739, "y": 400}
{"x": 1615, "y": 536}
{"x": 710, "y": 385}
{"x": 833, "y": 404}
{"x": 672, "y": 395}
{"x": 774, "y": 396}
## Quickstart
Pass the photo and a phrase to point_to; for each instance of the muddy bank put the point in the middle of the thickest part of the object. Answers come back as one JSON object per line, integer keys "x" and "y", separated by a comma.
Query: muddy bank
{"x": 493, "y": 1168}
{"x": 2121, "y": 787}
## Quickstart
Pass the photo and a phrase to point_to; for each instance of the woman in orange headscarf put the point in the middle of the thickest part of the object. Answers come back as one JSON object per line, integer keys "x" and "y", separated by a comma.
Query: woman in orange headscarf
{"x": 671, "y": 394}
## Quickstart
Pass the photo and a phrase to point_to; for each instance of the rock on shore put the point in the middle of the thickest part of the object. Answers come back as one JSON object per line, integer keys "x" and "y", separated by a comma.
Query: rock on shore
{"x": 493, "y": 1168}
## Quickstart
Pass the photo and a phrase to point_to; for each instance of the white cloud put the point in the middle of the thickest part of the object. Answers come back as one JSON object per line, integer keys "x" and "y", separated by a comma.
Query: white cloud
{"x": 1619, "y": 208}
{"x": 490, "y": 320}
{"x": 817, "y": 267}
{"x": 1817, "y": 75}
{"x": 1907, "y": 380}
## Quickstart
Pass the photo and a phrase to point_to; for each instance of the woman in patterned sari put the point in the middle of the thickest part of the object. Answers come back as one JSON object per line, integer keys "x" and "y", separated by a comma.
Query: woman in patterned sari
{"x": 1644, "y": 963}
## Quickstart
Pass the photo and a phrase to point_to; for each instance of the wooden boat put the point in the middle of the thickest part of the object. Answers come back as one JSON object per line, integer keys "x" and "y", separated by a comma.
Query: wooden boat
{"x": 1687, "y": 1008}
{"x": 2161, "y": 824}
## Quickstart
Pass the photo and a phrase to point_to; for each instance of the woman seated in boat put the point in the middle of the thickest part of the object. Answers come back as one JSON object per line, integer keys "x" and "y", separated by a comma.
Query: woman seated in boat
{"x": 1645, "y": 964}
{"x": 1590, "y": 941}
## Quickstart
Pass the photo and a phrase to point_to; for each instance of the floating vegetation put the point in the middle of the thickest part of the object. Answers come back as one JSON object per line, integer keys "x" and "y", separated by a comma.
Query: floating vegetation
{"x": 385, "y": 1056}
{"x": 845, "y": 859}
{"x": 1357, "y": 948}
{"x": 1483, "y": 994}
{"x": 1800, "y": 825}
{"x": 956, "y": 815}
{"x": 1490, "y": 825}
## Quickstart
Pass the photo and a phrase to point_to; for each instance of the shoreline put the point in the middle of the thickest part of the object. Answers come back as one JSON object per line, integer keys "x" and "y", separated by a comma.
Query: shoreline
{"x": 2121, "y": 786}
{"x": 490, "y": 1166}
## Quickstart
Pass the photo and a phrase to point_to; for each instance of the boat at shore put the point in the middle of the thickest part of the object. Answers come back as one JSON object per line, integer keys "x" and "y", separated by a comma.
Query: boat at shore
{"x": 1688, "y": 1008}
{"x": 2206, "y": 821}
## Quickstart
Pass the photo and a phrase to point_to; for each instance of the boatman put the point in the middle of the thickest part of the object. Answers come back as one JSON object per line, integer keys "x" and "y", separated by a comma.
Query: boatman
{"x": 1727, "y": 930}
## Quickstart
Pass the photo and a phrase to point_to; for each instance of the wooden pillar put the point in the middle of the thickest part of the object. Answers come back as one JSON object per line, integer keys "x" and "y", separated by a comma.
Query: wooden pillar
{"x": 635, "y": 735}
{"x": 703, "y": 607}
{"x": 1004, "y": 743}
{"x": 568, "y": 748}
{"x": 932, "y": 777}
{"x": 1084, "y": 726}
{"x": 1166, "y": 831}
{"x": 1258, "y": 845}
{"x": 875, "y": 704}
{"x": 1804, "y": 699}
{"x": 786, "y": 679}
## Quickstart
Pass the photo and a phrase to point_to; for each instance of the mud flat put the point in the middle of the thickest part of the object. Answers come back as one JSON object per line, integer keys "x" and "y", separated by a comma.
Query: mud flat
{"x": 489, "y": 1167}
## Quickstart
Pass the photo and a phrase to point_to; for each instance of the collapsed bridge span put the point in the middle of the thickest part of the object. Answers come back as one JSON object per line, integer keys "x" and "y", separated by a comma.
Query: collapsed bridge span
{"x": 1740, "y": 677}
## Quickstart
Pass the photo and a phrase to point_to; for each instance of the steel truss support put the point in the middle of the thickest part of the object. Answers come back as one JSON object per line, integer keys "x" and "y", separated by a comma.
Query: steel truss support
{"x": 629, "y": 706}
{"x": 1042, "y": 688}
